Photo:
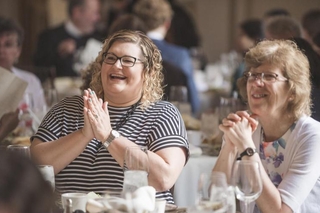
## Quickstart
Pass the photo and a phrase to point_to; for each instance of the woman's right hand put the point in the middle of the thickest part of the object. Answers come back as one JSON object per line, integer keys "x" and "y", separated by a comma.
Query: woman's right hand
{"x": 87, "y": 129}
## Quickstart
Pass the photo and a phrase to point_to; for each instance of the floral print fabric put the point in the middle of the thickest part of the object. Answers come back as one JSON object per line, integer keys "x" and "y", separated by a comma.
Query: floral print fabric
{"x": 272, "y": 156}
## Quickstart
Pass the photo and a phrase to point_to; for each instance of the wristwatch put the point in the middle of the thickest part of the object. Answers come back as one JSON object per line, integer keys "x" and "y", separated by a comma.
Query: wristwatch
{"x": 247, "y": 152}
{"x": 113, "y": 135}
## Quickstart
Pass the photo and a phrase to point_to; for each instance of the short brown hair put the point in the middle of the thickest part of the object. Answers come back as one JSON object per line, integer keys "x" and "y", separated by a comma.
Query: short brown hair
{"x": 153, "y": 12}
{"x": 294, "y": 65}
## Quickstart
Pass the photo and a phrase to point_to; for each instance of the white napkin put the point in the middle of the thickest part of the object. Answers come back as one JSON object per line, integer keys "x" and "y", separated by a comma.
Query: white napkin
{"x": 142, "y": 200}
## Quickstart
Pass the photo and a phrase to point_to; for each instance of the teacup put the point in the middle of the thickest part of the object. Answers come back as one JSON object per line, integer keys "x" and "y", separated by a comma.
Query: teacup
{"x": 74, "y": 201}
{"x": 160, "y": 206}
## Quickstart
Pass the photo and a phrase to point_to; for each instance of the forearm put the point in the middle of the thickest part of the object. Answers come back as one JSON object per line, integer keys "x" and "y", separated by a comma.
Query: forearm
{"x": 164, "y": 168}
{"x": 270, "y": 199}
{"x": 59, "y": 153}
{"x": 225, "y": 160}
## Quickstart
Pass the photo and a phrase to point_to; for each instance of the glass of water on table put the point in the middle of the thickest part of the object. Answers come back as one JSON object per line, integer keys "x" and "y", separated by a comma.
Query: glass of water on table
{"x": 48, "y": 174}
{"x": 136, "y": 168}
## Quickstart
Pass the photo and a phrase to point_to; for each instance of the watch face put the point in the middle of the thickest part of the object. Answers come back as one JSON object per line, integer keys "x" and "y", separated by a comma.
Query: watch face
{"x": 115, "y": 133}
{"x": 250, "y": 151}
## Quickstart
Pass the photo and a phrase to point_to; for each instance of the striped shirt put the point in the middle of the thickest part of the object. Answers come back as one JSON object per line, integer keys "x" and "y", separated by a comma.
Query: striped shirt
{"x": 157, "y": 127}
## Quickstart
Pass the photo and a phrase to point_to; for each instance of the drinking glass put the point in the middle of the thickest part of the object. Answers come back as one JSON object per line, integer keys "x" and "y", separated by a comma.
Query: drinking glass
{"x": 210, "y": 126}
{"x": 179, "y": 97}
{"x": 212, "y": 193}
{"x": 247, "y": 182}
{"x": 136, "y": 168}
{"x": 51, "y": 95}
{"x": 19, "y": 149}
{"x": 48, "y": 174}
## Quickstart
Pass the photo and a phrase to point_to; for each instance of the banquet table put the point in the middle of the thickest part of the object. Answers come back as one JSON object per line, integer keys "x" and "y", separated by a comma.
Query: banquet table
{"x": 185, "y": 189}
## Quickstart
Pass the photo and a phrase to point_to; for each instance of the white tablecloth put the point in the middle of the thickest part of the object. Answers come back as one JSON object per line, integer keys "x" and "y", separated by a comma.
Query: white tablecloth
{"x": 185, "y": 189}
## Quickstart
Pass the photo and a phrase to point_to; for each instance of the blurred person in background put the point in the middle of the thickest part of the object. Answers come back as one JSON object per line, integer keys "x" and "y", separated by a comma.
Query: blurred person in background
{"x": 11, "y": 37}
{"x": 157, "y": 15}
{"x": 85, "y": 138}
{"x": 250, "y": 32}
{"x": 282, "y": 27}
{"x": 61, "y": 46}
{"x": 22, "y": 186}
{"x": 311, "y": 27}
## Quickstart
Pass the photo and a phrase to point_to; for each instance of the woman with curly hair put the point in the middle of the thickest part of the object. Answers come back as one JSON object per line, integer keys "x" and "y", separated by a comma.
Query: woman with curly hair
{"x": 85, "y": 138}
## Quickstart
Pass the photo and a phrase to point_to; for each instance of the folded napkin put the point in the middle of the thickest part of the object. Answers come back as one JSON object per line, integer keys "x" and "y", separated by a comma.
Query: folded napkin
{"x": 140, "y": 201}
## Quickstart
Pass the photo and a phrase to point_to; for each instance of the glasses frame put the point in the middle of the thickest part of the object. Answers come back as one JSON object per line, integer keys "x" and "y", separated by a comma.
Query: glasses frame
{"x": 120, "y": 58}
{"x": 262, "y": 78}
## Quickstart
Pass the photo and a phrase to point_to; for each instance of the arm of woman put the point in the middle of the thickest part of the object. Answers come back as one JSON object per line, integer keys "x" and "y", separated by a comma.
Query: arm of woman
{"x": 61, "y": 152}
{"x": 165, "y": 164}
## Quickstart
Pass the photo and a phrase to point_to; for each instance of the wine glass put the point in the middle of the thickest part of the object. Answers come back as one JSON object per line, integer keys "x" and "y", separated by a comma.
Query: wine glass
{"x": 51, "y": 95}
{"x": 212, "y": 193}
{"x": 247, "y": 181}
{"x": 136, "y": 168}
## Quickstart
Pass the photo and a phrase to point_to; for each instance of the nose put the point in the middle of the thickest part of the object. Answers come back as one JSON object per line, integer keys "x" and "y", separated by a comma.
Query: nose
{"x": 118, "y": 63}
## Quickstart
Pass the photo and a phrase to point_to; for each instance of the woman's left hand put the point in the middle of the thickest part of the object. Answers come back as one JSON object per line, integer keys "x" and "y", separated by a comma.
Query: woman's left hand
{"x": 98, "y": 116}
{"x": 239, "y": 128}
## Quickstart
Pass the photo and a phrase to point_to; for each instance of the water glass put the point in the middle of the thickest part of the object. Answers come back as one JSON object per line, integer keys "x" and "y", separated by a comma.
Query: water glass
{"x": 47, "y": 172}
{"x": 136, "y": 167}
{"x": 212, "y": 193}
{"x": 19, "y": 149}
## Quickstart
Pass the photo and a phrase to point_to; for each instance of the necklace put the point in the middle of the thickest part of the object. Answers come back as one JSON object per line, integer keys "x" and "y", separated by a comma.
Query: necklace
{"x": 126, "y": 117}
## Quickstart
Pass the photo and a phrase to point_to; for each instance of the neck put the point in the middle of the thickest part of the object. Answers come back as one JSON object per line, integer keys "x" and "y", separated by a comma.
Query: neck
{"x": 158, "y": 32}
{"x": 275, "y": 128}
{"x": 120, "y": 102}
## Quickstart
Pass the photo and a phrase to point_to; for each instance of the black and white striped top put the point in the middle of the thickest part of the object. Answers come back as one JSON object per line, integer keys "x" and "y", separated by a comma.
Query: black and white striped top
{"x": 157, "y": 127}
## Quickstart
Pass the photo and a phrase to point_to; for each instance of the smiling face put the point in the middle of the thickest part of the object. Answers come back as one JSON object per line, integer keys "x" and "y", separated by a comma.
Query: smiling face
{"x": 266, "y": 98}
{"x": 9, "y": 50}
{"x": 123, "y": 85}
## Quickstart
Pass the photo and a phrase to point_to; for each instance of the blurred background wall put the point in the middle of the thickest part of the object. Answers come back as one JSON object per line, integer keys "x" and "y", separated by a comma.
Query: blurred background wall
{"x": 216, "y": 20}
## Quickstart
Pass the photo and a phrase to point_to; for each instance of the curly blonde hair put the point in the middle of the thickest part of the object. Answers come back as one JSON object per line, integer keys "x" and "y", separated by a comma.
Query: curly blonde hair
{"x": 152, "y": 73}
{"x": 294, "y": 65}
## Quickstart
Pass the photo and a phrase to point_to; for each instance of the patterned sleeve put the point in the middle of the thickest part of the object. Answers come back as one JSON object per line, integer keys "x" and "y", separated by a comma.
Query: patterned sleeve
{"x": 61, "y": 120}
{"x": 168, "y": 130}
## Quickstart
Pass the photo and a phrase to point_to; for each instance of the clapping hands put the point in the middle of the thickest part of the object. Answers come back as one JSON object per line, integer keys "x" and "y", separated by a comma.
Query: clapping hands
{"x": 96, "y": 117}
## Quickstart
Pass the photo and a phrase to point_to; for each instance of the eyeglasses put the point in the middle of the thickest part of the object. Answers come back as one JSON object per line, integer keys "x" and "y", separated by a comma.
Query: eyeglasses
{"x": 126, "y": 61}
{"x": 265, "y": 77}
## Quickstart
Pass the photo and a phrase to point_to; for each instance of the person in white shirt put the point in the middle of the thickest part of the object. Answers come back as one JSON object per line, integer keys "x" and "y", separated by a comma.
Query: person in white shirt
{"x": 11, "y": 36}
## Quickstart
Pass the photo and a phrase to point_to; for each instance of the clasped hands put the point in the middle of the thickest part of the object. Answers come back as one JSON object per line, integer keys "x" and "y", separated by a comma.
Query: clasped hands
{"x": 96, "y": 117}
{"x": 238, "y": 128}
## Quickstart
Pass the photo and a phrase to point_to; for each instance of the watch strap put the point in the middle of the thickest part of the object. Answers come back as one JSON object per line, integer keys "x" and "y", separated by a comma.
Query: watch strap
{"x": 113, "y": 135}
{"x": 247, "y": 152}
